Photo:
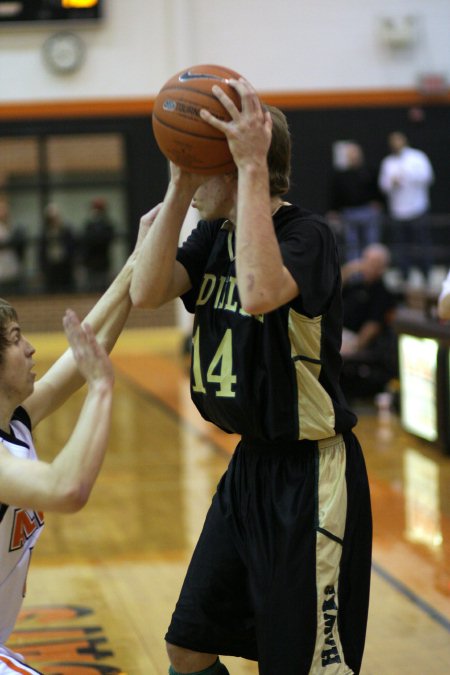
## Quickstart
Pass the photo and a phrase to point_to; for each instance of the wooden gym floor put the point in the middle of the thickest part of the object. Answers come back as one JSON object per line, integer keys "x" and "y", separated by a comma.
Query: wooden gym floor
{"x": 103, "y": 582}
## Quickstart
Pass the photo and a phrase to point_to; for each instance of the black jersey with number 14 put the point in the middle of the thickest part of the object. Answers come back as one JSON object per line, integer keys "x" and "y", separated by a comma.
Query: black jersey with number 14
{"x": 272, "y": 376}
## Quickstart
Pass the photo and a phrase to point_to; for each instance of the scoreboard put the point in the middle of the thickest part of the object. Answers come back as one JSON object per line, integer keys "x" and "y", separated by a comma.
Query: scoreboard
{"x": 424, "y": 376}
{"x": 418, "y": 362}
{"x": 27, "y": 11}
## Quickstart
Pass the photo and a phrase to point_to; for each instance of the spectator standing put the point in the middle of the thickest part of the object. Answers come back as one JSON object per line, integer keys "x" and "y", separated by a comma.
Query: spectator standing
{"x": 11, "y": 247}
{"x": 57, "y": 252}
{"x": 356, "y": 202}
{"x": 405, "y": 177}
{"x": 98, "y": 236}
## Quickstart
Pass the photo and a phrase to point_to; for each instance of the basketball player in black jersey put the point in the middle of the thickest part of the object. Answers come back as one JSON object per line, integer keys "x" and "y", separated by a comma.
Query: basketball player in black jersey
{"x": 281, "y": 571}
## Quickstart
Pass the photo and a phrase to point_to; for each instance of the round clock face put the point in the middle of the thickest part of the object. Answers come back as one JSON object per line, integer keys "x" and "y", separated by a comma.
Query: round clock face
{"x": 64, "y": 52}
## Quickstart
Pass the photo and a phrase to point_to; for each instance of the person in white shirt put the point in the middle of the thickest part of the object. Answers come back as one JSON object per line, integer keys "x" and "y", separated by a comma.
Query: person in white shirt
{"x": 405, "y": 177}
{"x": 443, "y": 307}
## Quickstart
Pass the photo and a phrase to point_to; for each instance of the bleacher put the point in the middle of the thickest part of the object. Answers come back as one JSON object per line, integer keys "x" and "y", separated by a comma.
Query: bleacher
{"x": 440, "y": 237}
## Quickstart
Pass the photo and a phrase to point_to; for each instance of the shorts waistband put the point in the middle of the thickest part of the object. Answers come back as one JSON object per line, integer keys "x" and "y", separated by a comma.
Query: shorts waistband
{"x": 331, "y": 440}
{"x": 289, "y": 445}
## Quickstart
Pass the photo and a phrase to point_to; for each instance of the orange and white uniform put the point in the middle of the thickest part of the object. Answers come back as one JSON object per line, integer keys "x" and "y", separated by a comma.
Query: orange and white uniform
{"x": 19, "y": 531}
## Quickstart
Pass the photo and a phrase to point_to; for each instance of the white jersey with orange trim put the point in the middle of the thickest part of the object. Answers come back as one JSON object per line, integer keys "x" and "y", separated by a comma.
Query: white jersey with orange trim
{"x": 10, "y": 664}
{"x": 19, "y": 531}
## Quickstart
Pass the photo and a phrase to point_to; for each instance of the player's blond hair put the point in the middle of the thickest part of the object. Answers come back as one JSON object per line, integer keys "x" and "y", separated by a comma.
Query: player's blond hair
{"x": 279, "y": 156}
{"x": 7, "y": 314}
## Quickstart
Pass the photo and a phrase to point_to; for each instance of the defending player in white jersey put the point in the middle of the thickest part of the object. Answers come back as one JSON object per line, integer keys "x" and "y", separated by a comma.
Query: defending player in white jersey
{"x": 28, "y": 487}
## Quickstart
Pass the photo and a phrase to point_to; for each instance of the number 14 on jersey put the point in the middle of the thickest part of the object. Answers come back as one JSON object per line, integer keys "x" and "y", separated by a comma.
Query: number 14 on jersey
{"x": 220, "y": 370}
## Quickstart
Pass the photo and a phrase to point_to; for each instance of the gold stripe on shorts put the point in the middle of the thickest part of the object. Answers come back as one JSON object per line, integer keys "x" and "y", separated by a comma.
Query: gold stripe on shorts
{"x": 331, "y": 511}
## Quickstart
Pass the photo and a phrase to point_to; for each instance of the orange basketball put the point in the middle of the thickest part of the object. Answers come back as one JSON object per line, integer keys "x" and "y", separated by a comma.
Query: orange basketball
{"x": 181, "y": 134}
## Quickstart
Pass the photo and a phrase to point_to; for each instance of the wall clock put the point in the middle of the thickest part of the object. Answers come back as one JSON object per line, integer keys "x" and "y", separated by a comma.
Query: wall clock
{"x": 64, "y": 52}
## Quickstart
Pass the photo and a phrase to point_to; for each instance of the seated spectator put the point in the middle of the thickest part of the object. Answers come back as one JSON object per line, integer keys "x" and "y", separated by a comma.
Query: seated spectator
{"x": 369, "y": 344}
{"x": 98, "y": 236}
{"x": 57, "y": 252}
{"x": 443, "y": 307}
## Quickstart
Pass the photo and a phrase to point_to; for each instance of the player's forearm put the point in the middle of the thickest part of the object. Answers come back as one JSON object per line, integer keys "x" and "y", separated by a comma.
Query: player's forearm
{"x": 154, "y": 276}
{"x": 76, "y": 467}
{"x": 65, "y": 484}
{"x": 259, "y": 265}
{"x": 108, "y": 316}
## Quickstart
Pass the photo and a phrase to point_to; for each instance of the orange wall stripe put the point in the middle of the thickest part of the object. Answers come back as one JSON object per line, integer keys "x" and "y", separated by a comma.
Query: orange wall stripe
{"x": 76, "y": 109}
{"x": 353, "y": 99}
{"x": 292, "y": 100}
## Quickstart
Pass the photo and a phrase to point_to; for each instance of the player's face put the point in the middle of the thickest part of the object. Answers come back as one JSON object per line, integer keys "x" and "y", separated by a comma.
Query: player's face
{"x": 216, "y": 197}
{"x": 16, "y": 371}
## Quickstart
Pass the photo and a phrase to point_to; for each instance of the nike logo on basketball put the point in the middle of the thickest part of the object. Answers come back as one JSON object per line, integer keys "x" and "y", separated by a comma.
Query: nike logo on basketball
{"x": 184, "y": 77}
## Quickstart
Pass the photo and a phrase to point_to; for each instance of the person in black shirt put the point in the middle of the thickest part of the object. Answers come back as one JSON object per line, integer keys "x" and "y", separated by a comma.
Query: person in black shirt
{"x": 97, "y": 239}
{"x": 281, "y": 571}
{"x": 356, "y": 202}
{"x": 369, "y": 345}
{"x": 57, "y": 252}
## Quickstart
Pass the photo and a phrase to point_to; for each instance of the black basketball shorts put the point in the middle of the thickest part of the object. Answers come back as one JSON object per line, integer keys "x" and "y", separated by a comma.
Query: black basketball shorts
{"x": 281, "y": 571}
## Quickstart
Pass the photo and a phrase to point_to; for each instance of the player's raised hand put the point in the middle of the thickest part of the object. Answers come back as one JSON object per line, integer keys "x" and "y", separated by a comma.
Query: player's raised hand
{"x": 91, "y": 358}
{"x": 249, "y": 132}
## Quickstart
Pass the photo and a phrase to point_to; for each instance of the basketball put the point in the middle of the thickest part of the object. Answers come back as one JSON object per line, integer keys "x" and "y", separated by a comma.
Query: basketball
{"x": 181, "y": 134}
